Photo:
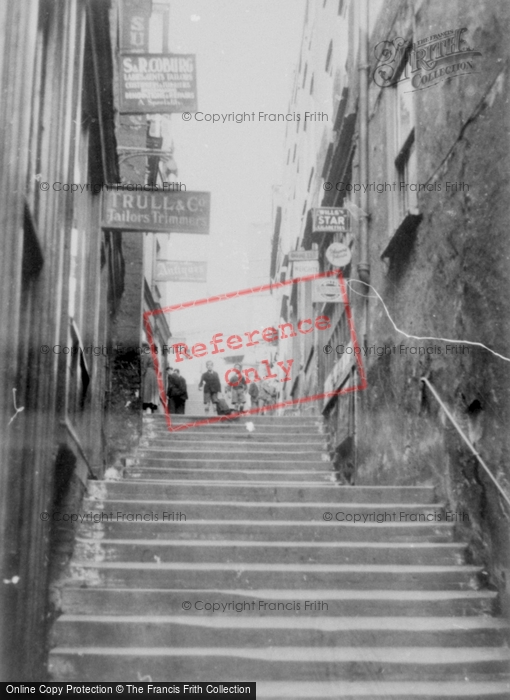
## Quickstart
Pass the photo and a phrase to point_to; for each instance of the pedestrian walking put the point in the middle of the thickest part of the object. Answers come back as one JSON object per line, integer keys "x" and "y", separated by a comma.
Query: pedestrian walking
{"x": 267, "y": 394}
{"x": 182, "y": 393}
{"x": 150, "y": 389}
{"x": 239, "y": 391}
{"x": 253, "y": 391}
{"x": 172, "y": 389}
{"x": 212, "y": 385}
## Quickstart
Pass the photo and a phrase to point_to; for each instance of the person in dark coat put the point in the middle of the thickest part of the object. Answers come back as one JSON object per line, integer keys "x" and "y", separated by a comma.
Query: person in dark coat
{"x": 253, "y": 391}
{"x": 150, "y": 389}
{"x": 239, "y": 391}
{"x": 172, "y": 389}
{"x": 212, "y": 386}
{"x": 182, "y": 393}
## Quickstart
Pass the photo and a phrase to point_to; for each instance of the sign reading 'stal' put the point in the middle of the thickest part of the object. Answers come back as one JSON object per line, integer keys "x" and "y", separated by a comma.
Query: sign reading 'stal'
{"x": 330, "y": 220}
{"x": 157, "y": 211}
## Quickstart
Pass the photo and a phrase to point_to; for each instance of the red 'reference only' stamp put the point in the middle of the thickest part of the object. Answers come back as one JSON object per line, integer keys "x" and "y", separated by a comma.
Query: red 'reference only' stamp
{"x": 281, "y": 370}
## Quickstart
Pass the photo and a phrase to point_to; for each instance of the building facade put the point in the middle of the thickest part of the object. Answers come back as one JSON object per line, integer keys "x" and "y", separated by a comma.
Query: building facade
{"x": 72, "y": 291}
{"x": 415, "y": 154}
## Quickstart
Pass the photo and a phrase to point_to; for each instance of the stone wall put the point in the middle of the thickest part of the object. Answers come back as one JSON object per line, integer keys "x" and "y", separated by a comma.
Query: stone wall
{"x": 450, "y": 281}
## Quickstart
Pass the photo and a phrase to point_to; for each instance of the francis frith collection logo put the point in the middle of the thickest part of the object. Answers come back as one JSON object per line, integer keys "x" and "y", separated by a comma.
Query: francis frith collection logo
{"x": 426, "y": 62}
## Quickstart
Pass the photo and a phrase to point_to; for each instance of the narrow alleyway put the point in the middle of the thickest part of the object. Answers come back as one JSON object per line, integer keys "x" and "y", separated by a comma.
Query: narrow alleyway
{"x": 257, "y": 584}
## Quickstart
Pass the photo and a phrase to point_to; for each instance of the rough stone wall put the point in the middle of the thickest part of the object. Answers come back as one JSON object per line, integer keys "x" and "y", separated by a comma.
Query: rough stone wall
{"x": 124, "y": 399}
{"x": 452, "y": 282}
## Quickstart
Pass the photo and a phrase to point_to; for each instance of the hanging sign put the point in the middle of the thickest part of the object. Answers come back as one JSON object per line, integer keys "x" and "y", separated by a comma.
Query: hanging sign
{"x": 154, "y": 210}
{"x": 296, "y": 255}
{"x": 134, "y": 25}
{"x": 302, "y": 268}
{"x": 181, "y": 271}
{"x": 338, "y": 254}
{"x": 326, "y": 289}
{"x": 157, "y": 83}
{"x": 330, "y": 220}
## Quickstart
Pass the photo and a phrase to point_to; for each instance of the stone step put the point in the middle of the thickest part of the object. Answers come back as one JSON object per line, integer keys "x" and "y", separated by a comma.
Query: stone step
{"x": 194, "y": 509}
{"x": 186, "y": 438}
{"x": 369, "y": 602}
{"x": 276, "y": 630}
{"x": 230, "y": 551}
{"x": 269, "y": 416}
{"x": 233, "y": 471}
{"x": 277, "y": 664}
{"x": 271, "y": 530}
{"x": 235, "y": 456}
{"x": 252, "y": 576}
{"x": 464, "y": 689}
{"x": 232, "y": 429}
{"x": 229, "y": 490}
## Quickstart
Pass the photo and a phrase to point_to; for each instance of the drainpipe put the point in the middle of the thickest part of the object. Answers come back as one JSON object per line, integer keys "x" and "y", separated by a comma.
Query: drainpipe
{"x": 363, "y": 265}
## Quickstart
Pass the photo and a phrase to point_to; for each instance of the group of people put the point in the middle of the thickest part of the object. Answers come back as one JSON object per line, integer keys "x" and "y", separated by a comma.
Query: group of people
{"x": 263, "y": 393}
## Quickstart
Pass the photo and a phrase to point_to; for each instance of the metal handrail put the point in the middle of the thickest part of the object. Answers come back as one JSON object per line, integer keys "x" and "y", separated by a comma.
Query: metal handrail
{"x": 466, "y": 439}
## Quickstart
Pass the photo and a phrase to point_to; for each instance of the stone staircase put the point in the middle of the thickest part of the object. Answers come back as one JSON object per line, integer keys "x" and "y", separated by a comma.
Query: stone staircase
{"x": 246, "y": 579}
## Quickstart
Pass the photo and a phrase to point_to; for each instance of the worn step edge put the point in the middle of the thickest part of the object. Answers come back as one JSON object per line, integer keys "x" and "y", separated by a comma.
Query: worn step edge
{"x": 304, "y": 594}
{"x": 456, "y": 546}
{"x": 336, "y": 623}
{"x": 400, "y": 655}
{"x": 271, "y": 504}
{"x": 418, "y": 526}
{"x": 250, "y": 566}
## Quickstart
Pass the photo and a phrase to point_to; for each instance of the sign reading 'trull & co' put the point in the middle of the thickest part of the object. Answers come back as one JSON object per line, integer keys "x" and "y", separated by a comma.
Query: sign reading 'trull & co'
{"x": 156, "y": 211}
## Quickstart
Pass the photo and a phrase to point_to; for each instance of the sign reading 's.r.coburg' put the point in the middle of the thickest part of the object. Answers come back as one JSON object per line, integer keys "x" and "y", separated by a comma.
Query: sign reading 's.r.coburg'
{"x": 156, "y": 211}
{"x": 157, "y": 83}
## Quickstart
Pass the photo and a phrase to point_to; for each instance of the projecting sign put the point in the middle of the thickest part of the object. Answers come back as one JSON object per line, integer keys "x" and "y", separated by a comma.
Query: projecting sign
{"x": 341, "y": 369}
{"x": 296, "y": 255}
{"x": 152, "y": 209}
{"x": 330, "y": 219}
{"x": 326, "y": 289}
{"x": 134, "y": 25}
{"x": 303, "y": 268}
{"x": 157, "y": 83}
{"x": 338, "y": 254}
{"x": 181, "y": 271}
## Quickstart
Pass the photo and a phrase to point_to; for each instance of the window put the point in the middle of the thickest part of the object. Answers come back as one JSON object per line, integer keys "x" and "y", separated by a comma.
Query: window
{"x": 402, "y": 148}
{"x": 328, "y": 56}
{"x": 405, "y": 151}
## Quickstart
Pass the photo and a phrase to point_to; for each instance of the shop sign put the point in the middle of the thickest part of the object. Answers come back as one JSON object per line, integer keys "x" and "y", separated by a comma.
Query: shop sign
{"x": 340, "y": 370}
{"x": 296, "y": 255}
{"x": 338, "y": 254}
{"x": 326, "y": 290}
{"x": 303, "y": 268}
{"x": 157, "y": 83}
{"x": 134, "y": 25}
{"x": 330, "y": 220}
{"x": 154, "y": 210}
{"x": 181, "y": 271}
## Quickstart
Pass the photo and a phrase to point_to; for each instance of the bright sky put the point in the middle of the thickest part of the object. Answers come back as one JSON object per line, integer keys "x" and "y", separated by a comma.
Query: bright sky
{"x": 246, "y": 53}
